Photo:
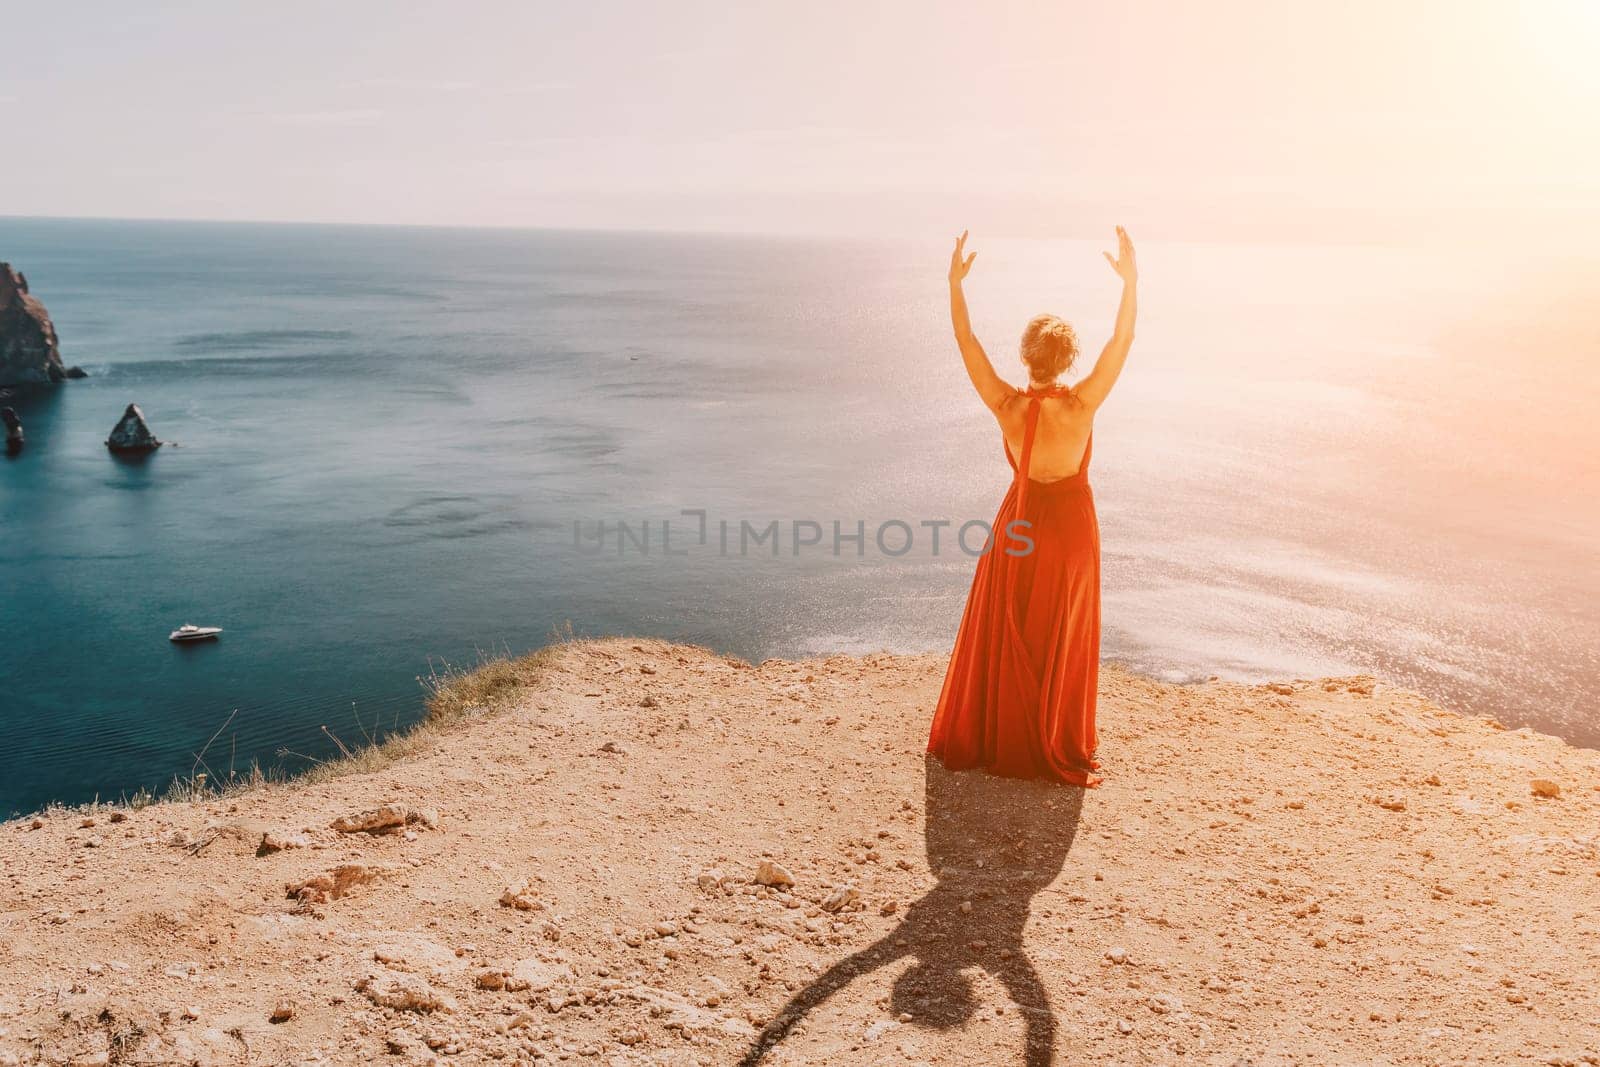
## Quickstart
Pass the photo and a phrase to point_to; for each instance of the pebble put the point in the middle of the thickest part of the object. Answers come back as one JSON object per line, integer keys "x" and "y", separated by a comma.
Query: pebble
{"x": 1117, "y": 955}
{"x": 1544, "y": 787}
{"x": 841, "y": 898}
{"x": 276, "y": 841}
{"x": 1165, "y": 1003}
{"x": 520, "y": 897}
{"x": 773, "y": 874}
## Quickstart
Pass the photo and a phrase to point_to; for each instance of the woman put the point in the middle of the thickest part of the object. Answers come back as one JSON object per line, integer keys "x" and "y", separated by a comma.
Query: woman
{"x": 1019, "y": 695}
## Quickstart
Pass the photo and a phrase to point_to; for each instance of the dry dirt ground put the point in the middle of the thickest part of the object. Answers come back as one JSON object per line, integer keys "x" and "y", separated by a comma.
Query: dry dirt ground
{"x": 1314, "y": 872}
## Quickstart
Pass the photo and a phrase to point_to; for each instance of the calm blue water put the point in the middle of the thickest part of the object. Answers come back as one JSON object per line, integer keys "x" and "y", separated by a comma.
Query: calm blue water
{"x": 1320, "y": 460}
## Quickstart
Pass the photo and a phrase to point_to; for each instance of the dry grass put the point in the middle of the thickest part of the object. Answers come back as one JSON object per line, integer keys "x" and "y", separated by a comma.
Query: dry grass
{"x": 454, "y": 692}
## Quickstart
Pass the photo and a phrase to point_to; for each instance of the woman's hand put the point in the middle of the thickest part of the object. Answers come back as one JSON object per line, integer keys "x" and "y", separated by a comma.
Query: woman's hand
{"x": 959, "y": 266}
{"x": 1123, "y": 263}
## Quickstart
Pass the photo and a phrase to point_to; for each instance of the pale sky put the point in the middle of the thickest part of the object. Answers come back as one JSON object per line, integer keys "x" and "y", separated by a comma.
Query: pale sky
{"x": 1255, "y": 118}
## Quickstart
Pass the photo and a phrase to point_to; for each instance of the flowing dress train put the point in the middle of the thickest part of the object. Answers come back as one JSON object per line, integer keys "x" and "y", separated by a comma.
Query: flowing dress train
{"x": 1019, "y": 694}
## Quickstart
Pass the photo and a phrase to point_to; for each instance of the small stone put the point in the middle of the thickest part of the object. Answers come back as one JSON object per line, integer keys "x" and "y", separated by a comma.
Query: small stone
{"x": 1544, "y": 787}
{"x": 613, "y": 748}
{"x": 333, "y": 885}
{"x": 1117, "y": 955}
{"x": 276, "y": 841}
{"x": 841, "y": 898}
{"x": 889, "y": 907}
{"x": 36, "y": 824}
{"x": 282, "y": 1012}
{"x": 966, "y": 907}
{"x": 1391, "y": 802}
{"x": 386, "y": 819}
{"x": 520, "y": 897}
{"x": 710, "y": 879}
{"x": 1124, "y": 1026}
{"x": 402, "y": 992}
{"x": 773, "y": 874}
{"x": 1165, "y": 1003}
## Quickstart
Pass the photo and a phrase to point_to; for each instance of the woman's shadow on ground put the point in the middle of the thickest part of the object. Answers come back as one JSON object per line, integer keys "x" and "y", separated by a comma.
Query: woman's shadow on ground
{"x": 993, "y": 842}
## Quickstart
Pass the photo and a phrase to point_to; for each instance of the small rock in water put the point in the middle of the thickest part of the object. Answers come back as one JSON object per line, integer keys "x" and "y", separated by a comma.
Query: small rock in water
{"x": 131, "y": 434}
{"x": 13, "y": 429}
{"x": 1544, "y": 787}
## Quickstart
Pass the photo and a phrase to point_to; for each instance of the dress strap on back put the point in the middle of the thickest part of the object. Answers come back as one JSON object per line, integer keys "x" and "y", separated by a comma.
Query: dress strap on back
{"x": 1030, "y": 428}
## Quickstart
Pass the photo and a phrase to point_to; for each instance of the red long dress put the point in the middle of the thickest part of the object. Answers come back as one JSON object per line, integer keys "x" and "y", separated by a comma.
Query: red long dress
{"x": 1019, "y": 694}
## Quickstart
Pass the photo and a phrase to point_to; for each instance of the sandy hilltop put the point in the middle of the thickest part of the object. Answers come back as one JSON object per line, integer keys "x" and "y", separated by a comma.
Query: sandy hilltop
{"x": 643, "y": 853}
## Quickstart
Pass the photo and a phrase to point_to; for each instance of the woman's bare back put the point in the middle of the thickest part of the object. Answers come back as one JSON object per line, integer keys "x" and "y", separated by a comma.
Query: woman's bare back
{"x": 1059, "y": 442}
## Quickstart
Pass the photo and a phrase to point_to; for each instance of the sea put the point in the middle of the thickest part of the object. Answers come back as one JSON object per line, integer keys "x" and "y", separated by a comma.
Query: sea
{"x": 394, "y": 452}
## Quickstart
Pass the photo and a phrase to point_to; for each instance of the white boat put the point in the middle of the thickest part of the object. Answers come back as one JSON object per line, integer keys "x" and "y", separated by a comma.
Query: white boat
{"x": 190, "y": 632}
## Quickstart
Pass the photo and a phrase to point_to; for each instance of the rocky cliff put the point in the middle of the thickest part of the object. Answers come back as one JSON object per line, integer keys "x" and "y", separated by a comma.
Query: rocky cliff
{"x": 647, "y": 855}
{"x": 29, "y": 351}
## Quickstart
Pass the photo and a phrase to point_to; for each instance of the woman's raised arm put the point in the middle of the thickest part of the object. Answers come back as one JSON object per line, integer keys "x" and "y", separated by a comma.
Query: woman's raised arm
{"x": 992, "y": 389}
{"x": 1094, "y": 389}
